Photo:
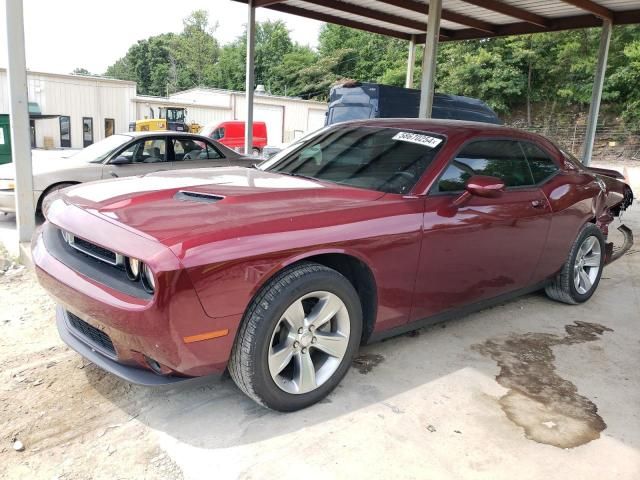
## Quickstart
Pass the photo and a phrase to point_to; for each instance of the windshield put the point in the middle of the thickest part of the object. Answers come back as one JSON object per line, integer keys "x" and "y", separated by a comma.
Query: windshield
{"x": 343, "y": 113}
{"x": 175, "y": 114}
{"x": 97, "y": 152}
{"x": 377, "y": 158}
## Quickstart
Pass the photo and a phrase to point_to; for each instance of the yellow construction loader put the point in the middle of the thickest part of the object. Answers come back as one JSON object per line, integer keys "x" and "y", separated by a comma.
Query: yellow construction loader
{"x": 169, "y": 118}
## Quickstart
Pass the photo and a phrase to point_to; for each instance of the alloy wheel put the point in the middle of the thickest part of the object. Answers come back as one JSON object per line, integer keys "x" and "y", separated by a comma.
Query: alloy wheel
{"x": 309, "y": 342}
{"x": 587, "y": 265}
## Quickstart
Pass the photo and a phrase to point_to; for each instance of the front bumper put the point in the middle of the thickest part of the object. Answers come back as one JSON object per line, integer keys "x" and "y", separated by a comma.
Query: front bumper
{"x": 126, "y": 372}
{"x": 139, "y": 329}
{"x": 613, "y": 253}
{"x": 7, "y": 201}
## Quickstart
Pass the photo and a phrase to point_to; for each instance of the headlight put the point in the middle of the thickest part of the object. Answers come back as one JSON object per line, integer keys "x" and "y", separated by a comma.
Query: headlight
{"x": 132, "y": 266}
{"x": 7, "y": 185}
{"x": 148, "y": 280}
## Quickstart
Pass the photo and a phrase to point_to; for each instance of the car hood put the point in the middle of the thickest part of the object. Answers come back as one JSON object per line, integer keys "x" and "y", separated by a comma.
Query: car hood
{"x": 175, "y": 206}
{"x": 42, "y": 165}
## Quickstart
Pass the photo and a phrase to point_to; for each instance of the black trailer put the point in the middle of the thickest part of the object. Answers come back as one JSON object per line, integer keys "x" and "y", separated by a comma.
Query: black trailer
{"x": 356, "y": 101}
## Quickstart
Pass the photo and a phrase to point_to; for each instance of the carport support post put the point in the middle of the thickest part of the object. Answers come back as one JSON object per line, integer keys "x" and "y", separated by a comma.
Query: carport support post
{"x": 19, "y": 114}
{"x": 411, "y": 62}
{"x": 596, "y": 95}
{"x": 427, "y": 85}
{"x": 251, "y": 39}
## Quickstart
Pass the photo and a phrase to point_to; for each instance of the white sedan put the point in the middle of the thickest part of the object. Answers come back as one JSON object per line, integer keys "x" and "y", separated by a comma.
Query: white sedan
{"x": 122, "y": 155}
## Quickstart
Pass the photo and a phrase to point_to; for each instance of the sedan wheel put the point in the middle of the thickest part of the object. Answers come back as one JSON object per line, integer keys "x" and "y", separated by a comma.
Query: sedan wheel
{"x": 587, "y": 265}
{"x": 309, "y": 342}
{"x": 580, "y": 274}
{"x": 297, "y": 338}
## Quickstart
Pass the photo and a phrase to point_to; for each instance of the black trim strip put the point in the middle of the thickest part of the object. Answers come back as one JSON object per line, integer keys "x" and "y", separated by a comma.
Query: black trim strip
{"x": 455, "y": 313}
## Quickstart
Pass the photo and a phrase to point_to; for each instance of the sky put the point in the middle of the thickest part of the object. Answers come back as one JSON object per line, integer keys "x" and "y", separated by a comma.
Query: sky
{"x": 61, "y": 35}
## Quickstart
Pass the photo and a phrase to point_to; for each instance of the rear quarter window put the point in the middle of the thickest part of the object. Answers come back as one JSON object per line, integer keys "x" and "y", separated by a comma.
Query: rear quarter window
{"x": 541, "y": 164}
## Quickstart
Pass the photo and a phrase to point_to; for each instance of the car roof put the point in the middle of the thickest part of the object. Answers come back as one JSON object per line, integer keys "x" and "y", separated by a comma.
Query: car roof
{"x": 227, "y": 152}
{"x": 444, "y": 127}
{"x": 160, "y": 133}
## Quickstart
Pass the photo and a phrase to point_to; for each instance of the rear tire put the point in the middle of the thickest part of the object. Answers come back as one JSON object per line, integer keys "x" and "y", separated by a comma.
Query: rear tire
{"x": 298, "y": 338}
{"x": 580, "y": 275}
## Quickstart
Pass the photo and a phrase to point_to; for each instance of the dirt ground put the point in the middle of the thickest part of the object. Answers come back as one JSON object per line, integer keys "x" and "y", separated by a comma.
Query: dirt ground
{"x": 530, "y": 389}
{"x": 56, "y": 403}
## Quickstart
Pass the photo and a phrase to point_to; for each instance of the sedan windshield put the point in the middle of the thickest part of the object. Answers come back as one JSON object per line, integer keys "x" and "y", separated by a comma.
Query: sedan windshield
{"x": 377, "y": 158}
{"x": 97, "y": 152}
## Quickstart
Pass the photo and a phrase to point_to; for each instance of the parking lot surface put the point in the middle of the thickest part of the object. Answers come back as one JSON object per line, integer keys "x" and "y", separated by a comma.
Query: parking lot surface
{"x": 529, "y": 389}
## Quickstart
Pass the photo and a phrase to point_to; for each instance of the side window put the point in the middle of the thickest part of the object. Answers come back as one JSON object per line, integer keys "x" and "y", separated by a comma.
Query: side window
{"x": 542, "y": 166}
{"x": 496, "y": 158}
{"x": 146, "y": 151}
{"x": 217, "y": 134}
{"x": 213, "y": 153}
{"x": 188, "y": 149}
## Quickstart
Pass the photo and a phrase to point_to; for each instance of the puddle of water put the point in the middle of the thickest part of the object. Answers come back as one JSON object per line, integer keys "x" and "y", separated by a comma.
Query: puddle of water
{"x": 547, "y": 406}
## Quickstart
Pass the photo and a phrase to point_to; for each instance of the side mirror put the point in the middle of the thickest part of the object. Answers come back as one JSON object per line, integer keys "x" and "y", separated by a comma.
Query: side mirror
{"x": 480, "y": 186}
{"x": 120, "y": 160}
{"x": 484, "y": 186}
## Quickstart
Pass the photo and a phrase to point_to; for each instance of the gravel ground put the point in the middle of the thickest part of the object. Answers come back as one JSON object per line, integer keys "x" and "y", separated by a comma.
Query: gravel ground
{"x": 52, "y": 401}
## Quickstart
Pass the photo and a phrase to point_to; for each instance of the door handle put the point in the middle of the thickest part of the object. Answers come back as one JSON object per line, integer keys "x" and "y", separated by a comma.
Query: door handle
{"x": 538, "y": 203}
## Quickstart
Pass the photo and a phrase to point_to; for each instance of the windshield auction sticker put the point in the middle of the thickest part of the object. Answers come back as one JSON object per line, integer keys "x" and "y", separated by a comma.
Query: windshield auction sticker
{"x": 426, "y": 140}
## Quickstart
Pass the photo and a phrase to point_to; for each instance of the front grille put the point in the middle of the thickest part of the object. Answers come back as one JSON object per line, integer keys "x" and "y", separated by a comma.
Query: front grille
{"x": 95, "y": 250}
{"x": 94, "y": 336}
{"x": 92, "y": 250}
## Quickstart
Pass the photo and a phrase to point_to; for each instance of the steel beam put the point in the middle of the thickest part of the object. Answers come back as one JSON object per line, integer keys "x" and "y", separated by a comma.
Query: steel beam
{"x": 19, "y": 114}
{"x": 250, "y": 77}
{"x": 596, "y": 95}
{"x": 427, "y": 85}
{"x": 411, "y": 62}
{"x": 592, "y": 7}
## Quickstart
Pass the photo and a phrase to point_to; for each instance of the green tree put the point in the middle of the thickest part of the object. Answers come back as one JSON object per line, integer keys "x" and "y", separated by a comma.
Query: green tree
{"x": 81, "y": 71}
{"x": 196, "y": 50}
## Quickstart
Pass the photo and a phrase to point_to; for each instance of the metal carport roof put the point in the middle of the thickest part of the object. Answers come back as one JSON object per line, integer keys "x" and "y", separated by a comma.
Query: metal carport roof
{"x": 461, "y": 19}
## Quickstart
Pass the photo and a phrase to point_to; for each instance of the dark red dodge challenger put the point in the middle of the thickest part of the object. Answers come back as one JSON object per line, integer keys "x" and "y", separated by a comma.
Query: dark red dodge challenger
{"x": 358, "y": 231}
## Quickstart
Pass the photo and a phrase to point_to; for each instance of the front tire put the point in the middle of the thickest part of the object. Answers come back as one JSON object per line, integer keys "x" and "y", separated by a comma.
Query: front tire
{"x": 580, "y": 275}
{"x": 298, "y": 338}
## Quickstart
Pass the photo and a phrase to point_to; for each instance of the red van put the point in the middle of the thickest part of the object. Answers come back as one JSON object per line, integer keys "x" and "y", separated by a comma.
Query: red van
{"x": 231, "y": 134}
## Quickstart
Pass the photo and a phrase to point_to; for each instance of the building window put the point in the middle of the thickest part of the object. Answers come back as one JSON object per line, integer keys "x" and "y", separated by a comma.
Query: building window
{"x": 65, "y": 132}
{"x": 32, "y": 130}
{"x": 87, "y": 131}
{"x": 109, "y": 127}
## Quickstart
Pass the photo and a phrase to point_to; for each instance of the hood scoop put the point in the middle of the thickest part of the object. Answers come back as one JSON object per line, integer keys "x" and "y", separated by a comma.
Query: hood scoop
{"x": 187, "y": 196}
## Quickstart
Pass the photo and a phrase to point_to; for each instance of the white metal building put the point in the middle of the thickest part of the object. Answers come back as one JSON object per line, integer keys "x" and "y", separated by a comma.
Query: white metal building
{"x": 72, "y": 111}
{"x": 287, "y": 118}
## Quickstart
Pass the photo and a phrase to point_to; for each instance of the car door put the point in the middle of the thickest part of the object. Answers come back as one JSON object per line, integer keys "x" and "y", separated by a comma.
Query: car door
{"x": 146, "y": 155}
{"x": 486, "y": 246}
{"x": 189, "y": 152}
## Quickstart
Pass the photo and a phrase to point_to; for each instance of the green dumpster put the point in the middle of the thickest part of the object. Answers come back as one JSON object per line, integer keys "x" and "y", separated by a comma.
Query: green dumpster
{"x": 5, "y": 139}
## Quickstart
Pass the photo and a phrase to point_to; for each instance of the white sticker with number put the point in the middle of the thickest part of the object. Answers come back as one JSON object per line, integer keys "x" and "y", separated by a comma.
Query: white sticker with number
{"x": 426, "y": 140}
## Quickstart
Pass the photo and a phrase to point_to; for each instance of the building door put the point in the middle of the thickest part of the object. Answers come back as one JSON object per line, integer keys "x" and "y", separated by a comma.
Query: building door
{"x": 32, "y": 131}
{"x": 87, "y": 131}
{"x": 316, "y": 119}
{"x": 273, "y": 116}
{"x": 65, "y": 131}
{"x": 109, "y": 127}
{"x": 5, "y": 139}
